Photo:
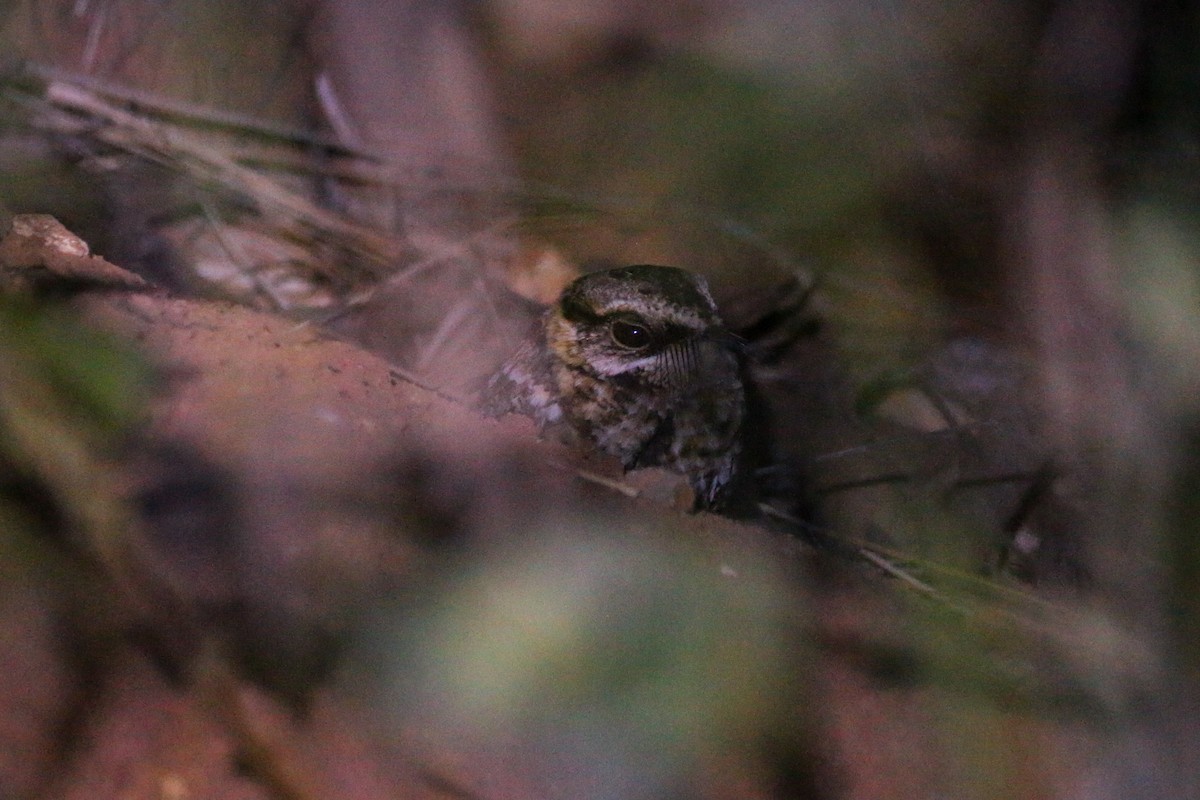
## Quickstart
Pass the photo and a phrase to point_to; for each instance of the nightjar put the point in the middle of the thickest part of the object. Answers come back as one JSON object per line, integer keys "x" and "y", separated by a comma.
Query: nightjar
{"x": 638, "y": 363}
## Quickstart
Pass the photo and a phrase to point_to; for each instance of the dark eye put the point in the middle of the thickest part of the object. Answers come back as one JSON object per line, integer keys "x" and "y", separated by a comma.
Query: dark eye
{"x": 629, "y": 334}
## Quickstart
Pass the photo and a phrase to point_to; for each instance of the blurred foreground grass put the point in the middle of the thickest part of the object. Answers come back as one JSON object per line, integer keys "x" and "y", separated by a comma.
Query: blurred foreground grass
{"x": 68, "y": 398}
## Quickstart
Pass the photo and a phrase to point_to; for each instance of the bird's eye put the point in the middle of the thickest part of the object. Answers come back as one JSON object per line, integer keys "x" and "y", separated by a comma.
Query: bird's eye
{"x": 633, "y": 335}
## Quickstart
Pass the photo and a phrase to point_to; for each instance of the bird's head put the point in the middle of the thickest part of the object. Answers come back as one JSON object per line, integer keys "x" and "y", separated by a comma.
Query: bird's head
{"x": 645, "y": 323}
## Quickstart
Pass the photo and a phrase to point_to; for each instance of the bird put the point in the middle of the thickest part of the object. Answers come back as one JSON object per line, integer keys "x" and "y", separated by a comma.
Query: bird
{"x": 636, "y": 362}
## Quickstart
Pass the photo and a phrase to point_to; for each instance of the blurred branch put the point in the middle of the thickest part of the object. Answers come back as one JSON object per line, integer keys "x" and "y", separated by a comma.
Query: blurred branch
{"x": 71, "y": 109}
{"x": 163, "y": 106}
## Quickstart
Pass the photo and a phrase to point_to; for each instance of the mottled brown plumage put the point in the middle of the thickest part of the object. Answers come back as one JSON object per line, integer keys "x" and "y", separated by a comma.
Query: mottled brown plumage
{"x": 636, "y": 361}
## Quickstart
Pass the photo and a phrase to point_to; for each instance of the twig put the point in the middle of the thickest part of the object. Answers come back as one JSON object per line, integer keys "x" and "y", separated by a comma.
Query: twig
{"x": 163, "y": 105}
{"x": 896, "y": 572}
{"x": 401, "y": 374}
{"x": 867, "y": 553}
{"x": 615, "y": 485}
{"x": 181, "y": 149}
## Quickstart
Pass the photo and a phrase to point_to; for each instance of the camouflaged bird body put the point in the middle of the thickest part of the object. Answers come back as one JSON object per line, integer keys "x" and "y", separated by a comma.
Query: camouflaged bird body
{"x": 638, "y": 363}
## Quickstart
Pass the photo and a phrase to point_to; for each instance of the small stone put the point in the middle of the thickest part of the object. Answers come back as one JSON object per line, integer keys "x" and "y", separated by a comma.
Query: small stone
{"x": 38, "y": 249}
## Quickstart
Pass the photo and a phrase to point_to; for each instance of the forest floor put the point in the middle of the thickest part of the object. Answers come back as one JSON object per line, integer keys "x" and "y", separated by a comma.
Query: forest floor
{"x": 291, "y": 459}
